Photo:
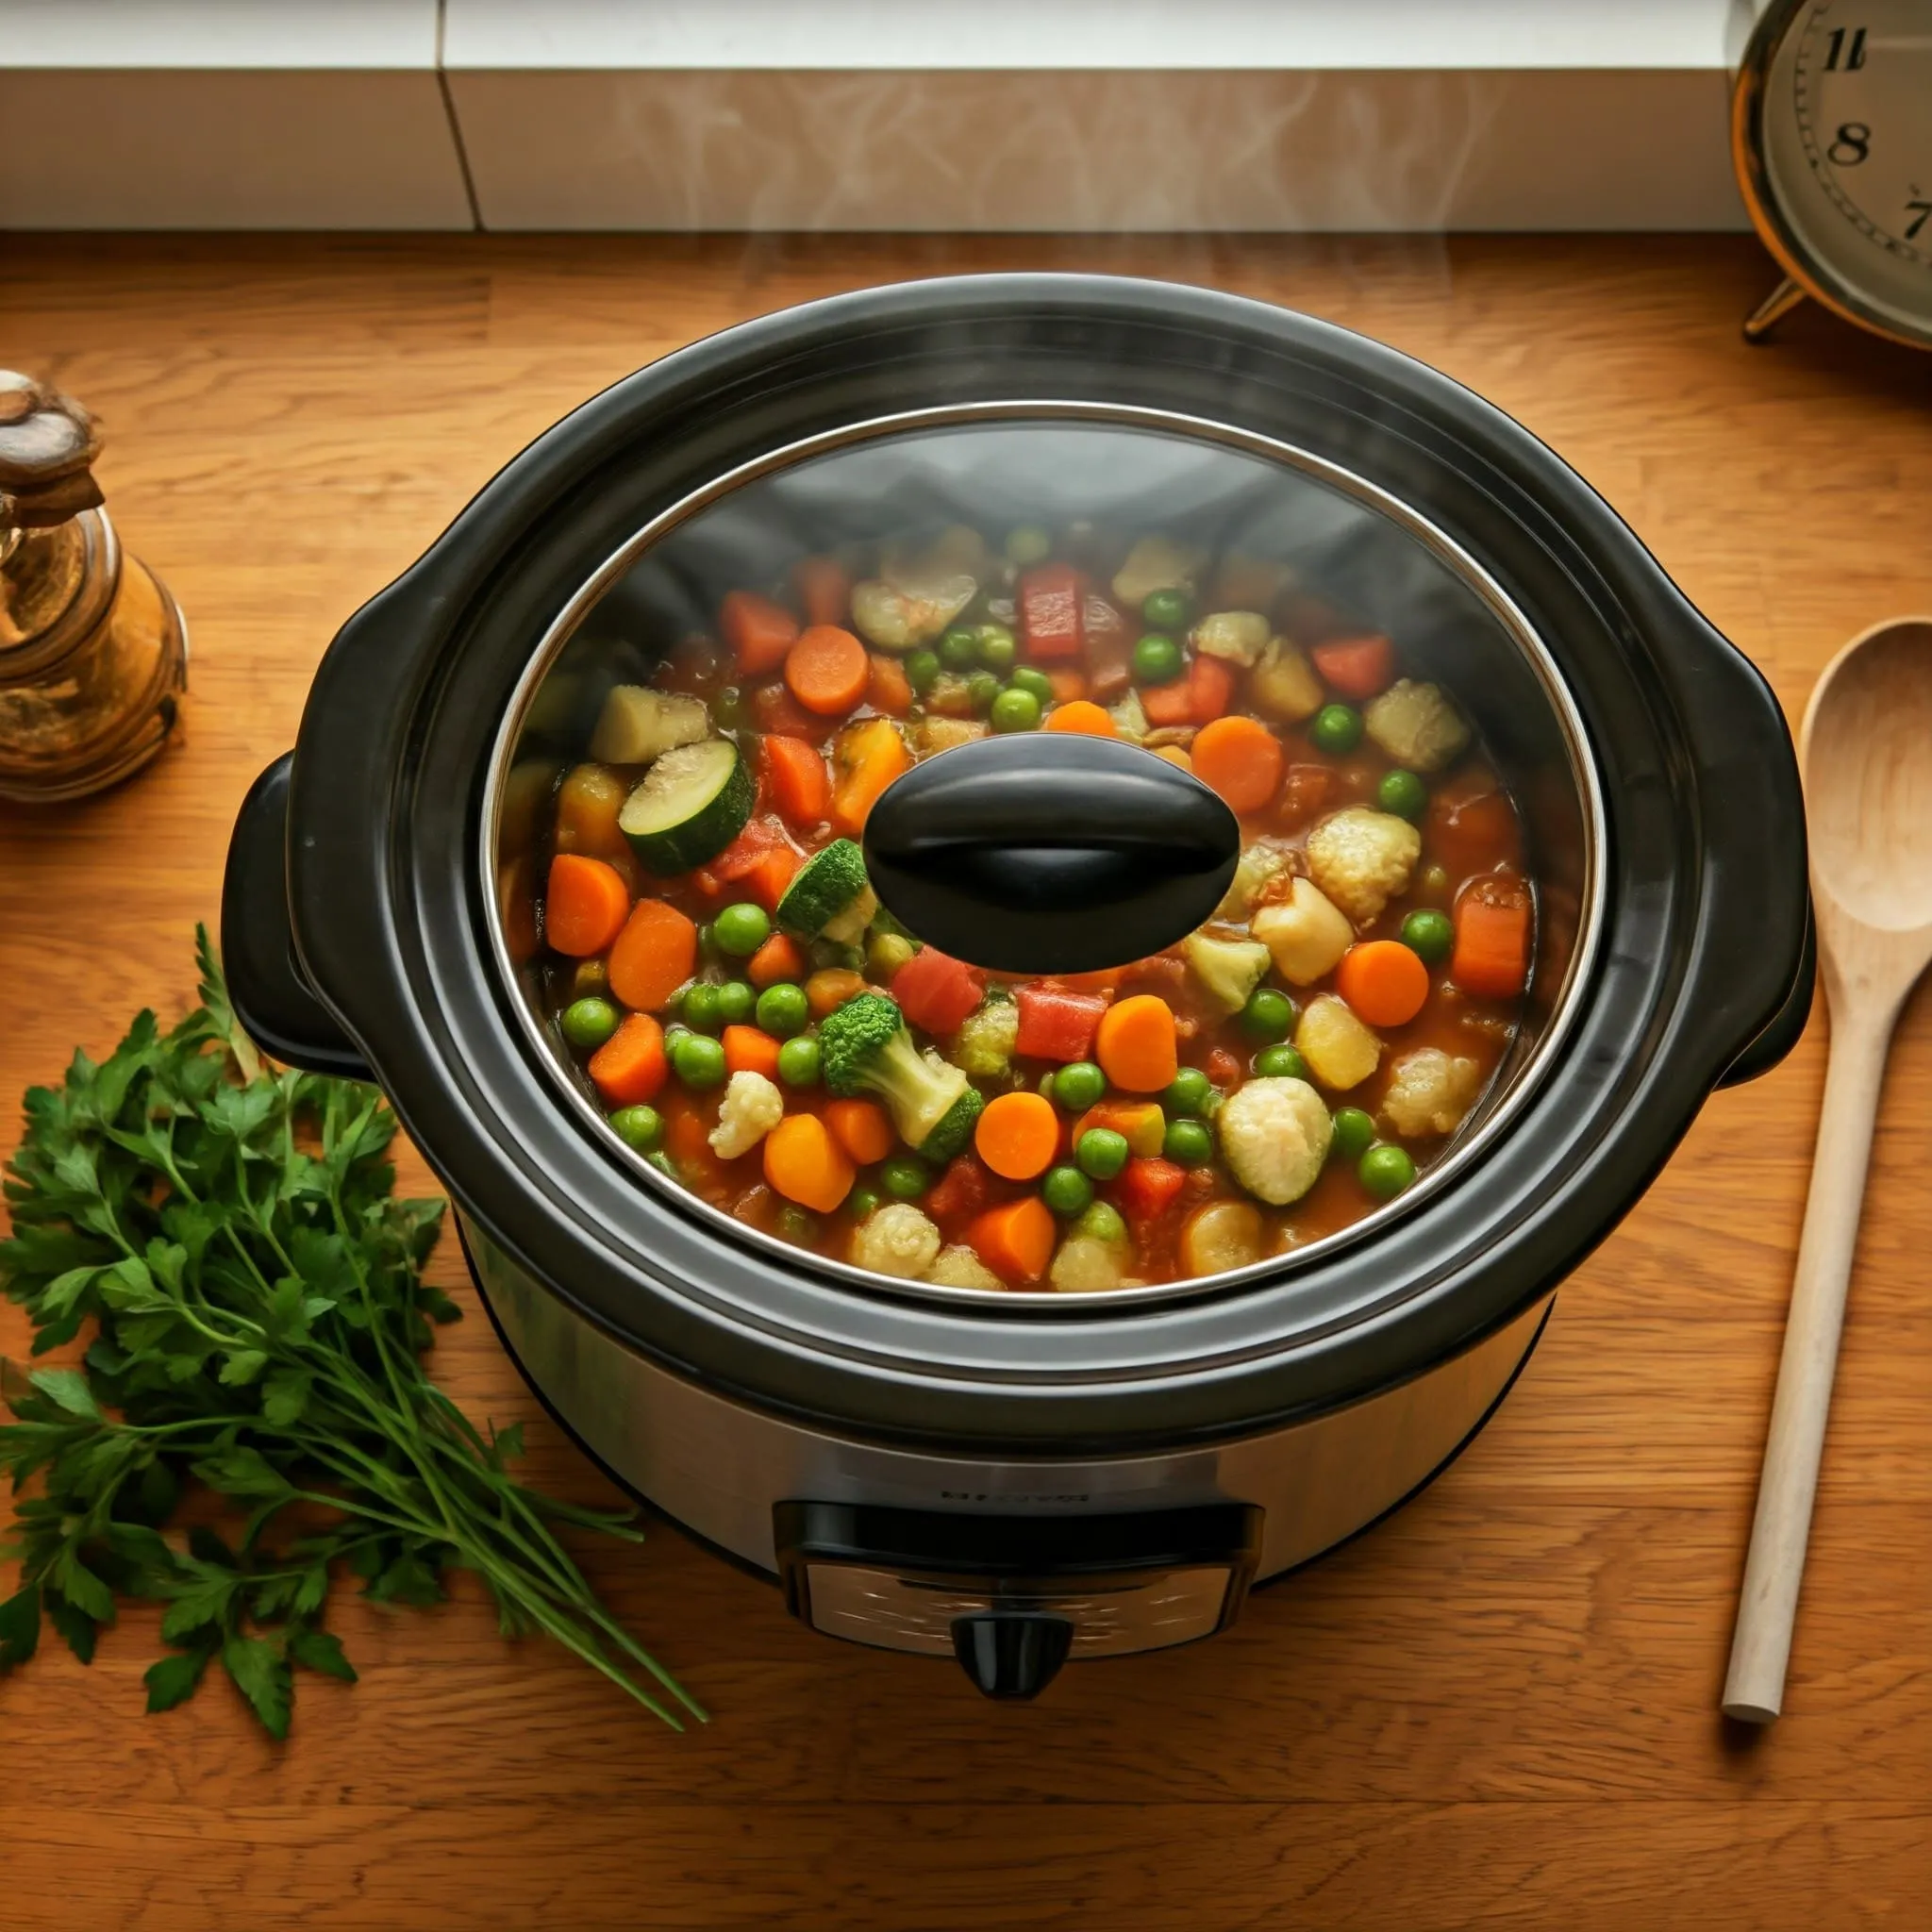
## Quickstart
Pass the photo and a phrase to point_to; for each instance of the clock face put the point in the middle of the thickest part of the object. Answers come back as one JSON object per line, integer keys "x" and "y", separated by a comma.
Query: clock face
{"x": 1847, "y": 151}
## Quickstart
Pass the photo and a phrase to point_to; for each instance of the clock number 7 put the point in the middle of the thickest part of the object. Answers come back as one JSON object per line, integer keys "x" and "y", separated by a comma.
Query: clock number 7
{"x": 1917, "y": 211}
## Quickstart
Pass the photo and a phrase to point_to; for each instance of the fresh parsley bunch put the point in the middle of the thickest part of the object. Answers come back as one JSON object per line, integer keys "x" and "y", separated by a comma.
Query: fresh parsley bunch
{"x": 260, "y": 1315}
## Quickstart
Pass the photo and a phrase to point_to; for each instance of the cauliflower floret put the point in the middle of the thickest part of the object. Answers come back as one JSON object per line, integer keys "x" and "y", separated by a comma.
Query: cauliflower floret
{"x": 984, "y": 1045}
{"x": 1130, "y": 717}
{"x": 896, "y": 1238}
{"x": 1238, "y": 636}
{"x": 1229, "y": 970}
{"x": 1429, "y": 1092}
{"x": 1416, "y": 724}
{"x": 1275, "y": 1136}
{"x": 1284, "y": 686}
{"x": 1341, "y": 1051}
{"x": 959, "y": 1266}
{"x": 751, "y": 1108}
{"x": 1258, "y": 863}
{"x": 1156, "y": 563}
{"x": 1082, "y": 1265}
{"x": 1305, "y": 933}
{"x": 1361, "y": 858}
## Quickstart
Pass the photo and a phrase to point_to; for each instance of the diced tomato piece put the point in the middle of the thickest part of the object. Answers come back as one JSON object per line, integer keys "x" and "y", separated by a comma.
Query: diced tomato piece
{"x": 1222, "y": 1066}
{"x": 936, "y": 991}
{"x": 1052, "y": 614}
{"x": 759, "y": 631}
{"x": 1356, "y": 667}
{"x": 1148, "y": 1186}
{"x": 1304, "y": 793}
{"x": 960, "y": 1192}
{"x": 778, "y": 710}
{"x": 1055, "y": 1026}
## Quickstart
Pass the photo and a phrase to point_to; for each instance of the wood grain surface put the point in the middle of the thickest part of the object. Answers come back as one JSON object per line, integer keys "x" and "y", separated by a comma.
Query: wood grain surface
{"x": 1499, "y": 1710}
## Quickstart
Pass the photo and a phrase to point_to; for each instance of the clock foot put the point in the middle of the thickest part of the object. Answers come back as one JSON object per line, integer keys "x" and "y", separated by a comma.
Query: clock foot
{"x": 1773, "y": 310}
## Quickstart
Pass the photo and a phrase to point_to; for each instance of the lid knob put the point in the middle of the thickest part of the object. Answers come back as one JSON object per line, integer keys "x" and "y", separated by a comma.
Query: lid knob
{"x": 1012, "y": 1654}
{"x": 1050, "y": 852}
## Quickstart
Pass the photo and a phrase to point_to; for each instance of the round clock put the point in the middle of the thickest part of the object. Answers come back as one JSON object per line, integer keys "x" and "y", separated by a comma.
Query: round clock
{"x": 1831, "y": 134}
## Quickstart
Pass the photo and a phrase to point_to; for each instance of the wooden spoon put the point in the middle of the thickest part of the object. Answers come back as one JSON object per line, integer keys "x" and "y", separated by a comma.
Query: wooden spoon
{"x": 1866, "y": 749}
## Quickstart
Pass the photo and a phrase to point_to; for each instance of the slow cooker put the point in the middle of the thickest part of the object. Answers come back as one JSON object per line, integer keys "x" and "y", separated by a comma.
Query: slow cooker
{"x": 1017, "y": 1480}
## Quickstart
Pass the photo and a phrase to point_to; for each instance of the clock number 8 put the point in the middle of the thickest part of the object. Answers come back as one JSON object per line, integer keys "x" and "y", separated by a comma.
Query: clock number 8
{"x": 1853, "y": 144}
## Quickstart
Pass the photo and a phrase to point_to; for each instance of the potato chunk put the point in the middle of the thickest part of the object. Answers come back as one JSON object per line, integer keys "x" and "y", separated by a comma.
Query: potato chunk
{"x": 1274, "y": 1134}
{"x": 1284, "y": 686}
{"x": 1238, "y": 636}
{"x": 1156, "y": 563}
{"x": 1305, "y": 933}
{"x": 1362, "y": 858}
{"x": 1222, "y": 1235}
{"x": 1429, "y": 1092}
{"x": 1416, "y": 724}
{"x": 1340, "y": 1051}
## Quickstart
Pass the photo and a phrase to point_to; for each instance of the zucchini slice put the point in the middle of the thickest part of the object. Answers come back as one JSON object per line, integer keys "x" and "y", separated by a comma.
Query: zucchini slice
{"x": 689, "y": 806}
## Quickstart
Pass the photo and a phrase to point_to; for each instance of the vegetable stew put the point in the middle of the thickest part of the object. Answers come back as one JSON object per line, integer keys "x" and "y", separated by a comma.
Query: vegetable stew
{"x": 719, "y": 968}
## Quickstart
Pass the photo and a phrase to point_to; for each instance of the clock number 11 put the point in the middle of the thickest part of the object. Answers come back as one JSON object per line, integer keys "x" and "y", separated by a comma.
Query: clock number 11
{"x": 1836, "y": 47}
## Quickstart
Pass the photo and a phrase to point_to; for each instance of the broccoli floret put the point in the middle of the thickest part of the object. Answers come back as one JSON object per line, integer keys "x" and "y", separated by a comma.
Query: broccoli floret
{"x": 867, "y": 1049}
{"x": 830, "y": 897}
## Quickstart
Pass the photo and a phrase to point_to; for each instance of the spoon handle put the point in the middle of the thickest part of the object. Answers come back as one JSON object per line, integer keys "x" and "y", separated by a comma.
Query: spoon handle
{"x": 1760, "y": 1647}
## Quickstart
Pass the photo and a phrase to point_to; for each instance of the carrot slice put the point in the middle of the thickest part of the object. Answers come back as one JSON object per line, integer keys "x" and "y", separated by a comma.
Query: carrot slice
{"x": 825, "y": 589}
{"x": 1356, "y": 667}
{"x": 1139, "y": 1123}
{"x": 1384, "y": 981}
{"x": 653, "y": 956}
{"x": 826, "y": 669}
{"x": 1018, "y": 1135}
{"x": 862, "y": 1127}
{"x": 585, "y": 905}
{"x": 777, "y": 959}
{"x": 868, "y": 758}
{"x": 750, "y": 1050}
{"x": 832, "y": 987}
{"x": 759, "y": 631}
{"x": 1241, "y": 758}
{"x": 1210, "y": 686}
{"x": 1081, "y": 715}
{"x": 886, "y": 687}
{"x": 1069, "y": 686}
{"x": 1016, "y": 1240}
{"x": 805, "y": 1164}
{"x": 797, "y": 781}
{"x": 630, "y": 1066}
{"x": 1135, "y": 1043}
{"x": 1492, "y": 952}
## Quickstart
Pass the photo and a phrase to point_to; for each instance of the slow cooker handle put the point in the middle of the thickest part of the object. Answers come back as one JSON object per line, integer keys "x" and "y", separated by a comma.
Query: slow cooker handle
{"x": 271, "y": 994}
{"x": 1050, "y": 852}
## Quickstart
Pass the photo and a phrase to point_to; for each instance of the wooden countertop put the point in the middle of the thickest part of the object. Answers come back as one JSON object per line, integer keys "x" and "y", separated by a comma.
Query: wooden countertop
{"x": 1500, "y": 1709}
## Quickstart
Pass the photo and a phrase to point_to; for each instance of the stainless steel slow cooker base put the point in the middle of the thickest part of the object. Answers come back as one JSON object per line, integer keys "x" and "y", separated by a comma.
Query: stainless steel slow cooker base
{"x": 739, "y": 1477}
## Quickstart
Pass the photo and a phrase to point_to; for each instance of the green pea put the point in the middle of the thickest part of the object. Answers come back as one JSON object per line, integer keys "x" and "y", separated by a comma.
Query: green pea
{"x": 707, "y": 944}
{"x": 1337, "y": 728}
{"x": 782, "y": 1010}
{"x": 1156, "y": 659}
{"x": 698, "y": 1061}
{"x": 982, "y": 688}
{"x": 798, "y": 1062}
{"x": 1189, "y": 1093}
{"x": 1268, "y": 1014}
{"x": 741, "y": 929}
{"x": 1101, "y": 1153}
{"x": 588, "y": 1023}
{"x": 1433, "y": 882}
{"x": 664, "y": 1164}
{"x": 591, "y": 976}
{"x": 861, "y": 1202}
{"x": 730, "y": 709}
{"x": 1080, "y": 1085}
{"x": 1403, "y": 793}
{"x": 1165, "y": 610}
{"x": 1029, "y": 544}
{"x": 922, "y": 670}
{"x": 998, "y": 648}
{"x": 1353, "y": 1130}
{"x": 904, "y": 1178}
{"x": 1280, "y": 1063}
{"x": 1102, "y": 1222}
{"x": 1188, "y": 1143}
{"x": 700, "y": 1008}
{"x": 886, "y": 951}
{"x": 1015, "y": 710}
{"x": 797, "y": 1224}
{"x": 1385, "y": 1170}
{"x": 735, "y": 1002}
{"x": 1429, "y": 935}
{"x": 641, "y": 1127}
{"x": 1038, "y": 682}
{"x": 959, "y": 650}
{"x": 1067, "y": 1191}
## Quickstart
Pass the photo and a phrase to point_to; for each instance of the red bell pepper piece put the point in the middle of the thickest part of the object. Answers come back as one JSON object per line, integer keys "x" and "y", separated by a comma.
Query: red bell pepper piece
{"x": 1055, "y": 1026}
{"x": 1148, "y": 1186}
{"x": 960, "y": 1192}
{"x": 936, "y": 991}
{"x": 1052, "y": 611}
